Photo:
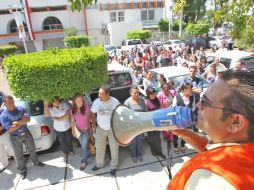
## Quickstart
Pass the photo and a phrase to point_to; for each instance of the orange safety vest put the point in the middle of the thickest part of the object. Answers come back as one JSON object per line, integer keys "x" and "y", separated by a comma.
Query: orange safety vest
{"x": 233, "y": 163}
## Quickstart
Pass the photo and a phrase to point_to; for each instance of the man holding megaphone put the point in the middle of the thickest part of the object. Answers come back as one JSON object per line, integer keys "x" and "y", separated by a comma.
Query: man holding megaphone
{"x": 226, "y": 156}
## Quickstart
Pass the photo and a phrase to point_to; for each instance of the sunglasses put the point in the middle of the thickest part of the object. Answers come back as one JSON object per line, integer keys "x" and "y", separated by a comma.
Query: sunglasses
{"x": 205, "y": 102}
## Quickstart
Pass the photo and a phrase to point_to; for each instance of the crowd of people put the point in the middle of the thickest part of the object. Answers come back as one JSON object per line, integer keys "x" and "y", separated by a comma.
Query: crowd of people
{"x": 224, "y": 112}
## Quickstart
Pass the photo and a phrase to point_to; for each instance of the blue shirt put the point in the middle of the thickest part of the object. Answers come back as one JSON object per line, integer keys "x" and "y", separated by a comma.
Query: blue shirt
{"x": 8, "y": 117}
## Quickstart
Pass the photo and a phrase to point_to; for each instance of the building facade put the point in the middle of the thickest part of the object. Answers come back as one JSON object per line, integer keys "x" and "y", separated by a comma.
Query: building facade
{"x": 49, "y": 19}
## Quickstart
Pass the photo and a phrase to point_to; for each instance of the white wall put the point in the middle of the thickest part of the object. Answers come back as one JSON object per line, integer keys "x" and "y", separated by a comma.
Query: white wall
{"x": 118, "y": 31}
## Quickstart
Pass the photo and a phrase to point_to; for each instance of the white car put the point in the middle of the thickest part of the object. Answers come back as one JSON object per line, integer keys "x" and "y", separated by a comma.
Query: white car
{"x": 110, "y": 49}
{"x": 229, "y": 58}
{"x": 40, "y": 127}
{"x": 215, "y": 42}
{"x": 174, "y": 44}
{"x": 175, "y": 73}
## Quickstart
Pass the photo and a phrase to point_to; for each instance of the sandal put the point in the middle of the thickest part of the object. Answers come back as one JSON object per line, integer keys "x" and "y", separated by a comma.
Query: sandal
{"x": 82, "y": 166}
{"x": 176, "y": 150}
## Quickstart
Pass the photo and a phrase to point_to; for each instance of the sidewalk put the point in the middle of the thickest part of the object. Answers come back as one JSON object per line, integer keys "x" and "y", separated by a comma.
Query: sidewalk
{"x": 151, "y": 174}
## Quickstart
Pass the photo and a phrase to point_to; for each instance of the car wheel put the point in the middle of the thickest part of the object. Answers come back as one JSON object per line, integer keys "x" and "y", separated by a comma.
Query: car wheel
{"x": 215, "y": 46}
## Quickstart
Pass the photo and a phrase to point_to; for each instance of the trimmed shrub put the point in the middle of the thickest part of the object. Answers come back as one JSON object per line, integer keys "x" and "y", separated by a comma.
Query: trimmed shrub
{"x": 7, "y": 50}
{"x": 197, "y": 29}
{"x": 76, "y": 41}
{"x": 139, "y": 34}
{"x": 63, "y": 72}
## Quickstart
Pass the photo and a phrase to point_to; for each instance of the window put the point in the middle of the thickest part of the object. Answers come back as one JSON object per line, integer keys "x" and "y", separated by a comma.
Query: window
{"x": 119, "y": 80}
{"x": 147, "y": 14}
{"x": 52, "y": 23}
{"x": 13, "y": 27}
{"x": 120, "y": 16}
{"x": 117, "y": 16}
{"x": 112, "y": 16}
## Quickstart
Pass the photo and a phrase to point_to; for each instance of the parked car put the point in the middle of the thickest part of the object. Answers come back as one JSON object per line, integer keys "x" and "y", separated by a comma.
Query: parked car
{"x": 174, "y": 44}
{"x": 214, "y": 42}
{"x": 175, "y": 73}
{"x": 120, "y": 80}
{"x": 129, "y": 44}
{"x": 229, "y": 58}
{"x": 110, "y": 49}
{"x": 196, "y": 42}
{"x": 40, "y": 127}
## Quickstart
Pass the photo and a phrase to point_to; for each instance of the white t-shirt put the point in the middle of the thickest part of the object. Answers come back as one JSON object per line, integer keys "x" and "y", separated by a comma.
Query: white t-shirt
{"x": 104, "y": 111}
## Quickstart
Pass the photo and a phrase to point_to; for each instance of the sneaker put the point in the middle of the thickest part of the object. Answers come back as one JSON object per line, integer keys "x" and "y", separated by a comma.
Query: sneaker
{"x": 95, "y": 168}
{"x": 82, "y": 166}
{"x": 40, "y": 164}
{"x": 140, "y": 158}
{"x": 23, "y": 175}
{"x": 134, "y": 160}
{"x": 113, "y": 172}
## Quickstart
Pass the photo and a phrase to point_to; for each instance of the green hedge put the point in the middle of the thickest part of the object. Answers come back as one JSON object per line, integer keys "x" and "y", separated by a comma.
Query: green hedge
{"x": 7, "y": 50}
{"x": 139, "y": 34}
{"x": 197, "y": 29}
{"x": 76, "y": 41}
{"x": 63, "y": 72}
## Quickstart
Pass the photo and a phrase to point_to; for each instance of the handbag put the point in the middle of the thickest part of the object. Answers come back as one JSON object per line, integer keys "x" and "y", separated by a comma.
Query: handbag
{"x": 91, "y": 145}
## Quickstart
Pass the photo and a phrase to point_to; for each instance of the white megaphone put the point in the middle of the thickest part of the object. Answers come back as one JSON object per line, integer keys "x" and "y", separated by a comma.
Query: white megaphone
{"x": 126, "y": 123}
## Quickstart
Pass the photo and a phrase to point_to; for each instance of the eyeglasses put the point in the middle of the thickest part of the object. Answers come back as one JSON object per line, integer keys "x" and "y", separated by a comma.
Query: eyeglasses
{"x": 205, "y": 102}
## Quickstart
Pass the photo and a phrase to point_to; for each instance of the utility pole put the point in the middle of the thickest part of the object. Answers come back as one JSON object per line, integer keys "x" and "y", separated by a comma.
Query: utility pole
{"x": 181, "y": 24}
{"x": 170, "y": 18}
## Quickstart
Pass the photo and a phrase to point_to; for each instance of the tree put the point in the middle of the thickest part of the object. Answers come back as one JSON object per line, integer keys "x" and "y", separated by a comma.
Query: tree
{"x": 77, "y": 4}
{"x": 72, "y": 31}
{"x": 163, "y": 25}
{"x": 197, "y": 29}
{"x": 193, "y": 10}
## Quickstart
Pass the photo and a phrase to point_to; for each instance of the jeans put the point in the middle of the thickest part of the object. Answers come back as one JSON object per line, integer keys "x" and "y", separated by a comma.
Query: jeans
{"x": 17, "y": 143}
{"x": 136, "y": 147}
{"x": 83, "y": 139}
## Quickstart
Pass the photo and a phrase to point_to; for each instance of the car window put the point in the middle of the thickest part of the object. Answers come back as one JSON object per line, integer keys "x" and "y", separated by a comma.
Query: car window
{"x": 248, "y": 63}
{"x": 226, "y": 62}
{"x": 168, "y": 43}
{"x": 32, "y": 108}
{"x": 134, "y": 42}
{"x": 210, "y": 59}
{"x": 119, "y": 80}
{"x": 35, "y": 108}
{"x": 109, "y": 48}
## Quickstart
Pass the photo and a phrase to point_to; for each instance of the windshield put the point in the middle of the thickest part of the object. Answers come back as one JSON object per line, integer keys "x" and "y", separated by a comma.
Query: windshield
{"x": 109, "y": 48}
{"x": 32, "y": 108}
